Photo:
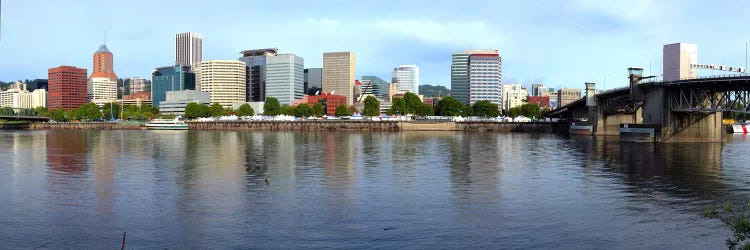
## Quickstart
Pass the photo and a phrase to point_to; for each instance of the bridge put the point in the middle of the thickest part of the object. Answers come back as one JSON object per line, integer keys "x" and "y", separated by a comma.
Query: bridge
{"x": 20, "y": 114}
{"x": 687, "y": 110}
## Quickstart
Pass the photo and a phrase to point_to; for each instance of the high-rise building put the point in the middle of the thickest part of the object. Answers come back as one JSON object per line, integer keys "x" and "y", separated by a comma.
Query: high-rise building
{"x": 188, "y": 49}
{"x": 38, "y": 84}
{"x": 313, "y": 80}
{"x": 138, "y": 84}
{"x": 224, "y": 80}
{"x": 170, "y": 78}
{"x": 255, "y": 72}
{"x": 476, "y": 75}
{"x": 285, "y": 75}
{"x": 103, "y": 65}
{"x": 67, "y": 87}
{"x": 566, "y": 95}
{"x": 536, "y": 88}
{"x": 513, "y": 96}
{"x": 39, "y": 98}
{"x": 339, "y": 70}
{"x": 677, "y": 60}
{"x": 102, "y": 90}
{"x": 376, "y": 86}
{"x": 407, "y": 78}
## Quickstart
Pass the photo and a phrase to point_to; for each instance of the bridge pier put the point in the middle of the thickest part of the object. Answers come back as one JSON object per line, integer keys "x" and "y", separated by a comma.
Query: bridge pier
{"x": 680, "y": 126}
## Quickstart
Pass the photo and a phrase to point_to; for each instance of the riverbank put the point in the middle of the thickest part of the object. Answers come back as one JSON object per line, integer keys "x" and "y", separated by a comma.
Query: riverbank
{"x": 338, "y": 125}
{"x": 379, "y": 126}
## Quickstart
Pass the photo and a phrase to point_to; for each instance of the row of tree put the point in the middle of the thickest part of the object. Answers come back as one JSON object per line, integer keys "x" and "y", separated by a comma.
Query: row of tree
{"x": 194, "y": 110}
{"x": 90, "y": 112}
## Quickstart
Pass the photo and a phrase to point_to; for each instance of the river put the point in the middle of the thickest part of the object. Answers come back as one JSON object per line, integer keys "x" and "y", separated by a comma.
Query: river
{"x": 207, "y": 190}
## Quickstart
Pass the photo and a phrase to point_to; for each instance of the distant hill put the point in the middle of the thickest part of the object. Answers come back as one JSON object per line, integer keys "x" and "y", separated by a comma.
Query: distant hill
{"x": 433, "y": 90}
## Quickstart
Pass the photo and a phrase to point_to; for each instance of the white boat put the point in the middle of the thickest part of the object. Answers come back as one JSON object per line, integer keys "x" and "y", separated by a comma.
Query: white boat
{"x": 740, "y": 128}
{"x": 164, "y": 124}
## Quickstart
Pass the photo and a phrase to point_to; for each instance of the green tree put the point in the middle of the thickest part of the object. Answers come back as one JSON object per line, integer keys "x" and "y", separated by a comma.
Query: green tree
{"x": 192, "y": 110}
{"x": 425, "y": 110}
{"x": 530, "y": 110}
{"x": 216, "y": 110}
{"x": 57, "y": 115}
{"x": 131, "y": 112}
{"x": 513, "y": 112}
{"x": 148, "y": 111}
{"x": 272, "y": 107}
{"x": 89, "y": 111}
{"x": 42, "y": 111}
{"x": 318, "y": 110}
{"x": 27, "y": 112}
{"x": 412, "y": 103}
{"x": 245, "y": 110}
{"x": 485, "y": 108}
{"x": 468, "y": 110}
{"x": 7, "y": 111}
{"x": 303, "y": 110}
{"x": 372, "y": 106}
{"x": 342, "y": 110}
{"x": 287, "y": 110}
{"x": 115, "y": 110}
{"x": 448, "y": 106}
{"x": 398, "y": 107}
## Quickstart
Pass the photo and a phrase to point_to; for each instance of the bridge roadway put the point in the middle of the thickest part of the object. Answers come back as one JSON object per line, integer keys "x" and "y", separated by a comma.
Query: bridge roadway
{"x": 24, "y": 118}
{"x": 687, "y": 110}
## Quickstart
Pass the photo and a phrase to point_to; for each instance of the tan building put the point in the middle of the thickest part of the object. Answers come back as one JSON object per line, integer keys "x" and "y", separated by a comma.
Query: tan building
{"x": 566, "y": 95}
{"x": 224, "y": 81}
{"x": 339, "y": 70}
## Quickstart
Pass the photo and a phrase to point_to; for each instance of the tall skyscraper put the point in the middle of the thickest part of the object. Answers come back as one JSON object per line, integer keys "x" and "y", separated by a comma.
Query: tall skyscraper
{"x": 102, "y": 90}
{"x": 224, "y": 80}
{"x": 535, "y": 89}
{"x": 255, "y": 72}
{"x": 170, "y": 78}
{"x": 313, "y": 80}
{"x": 476, "y": 75}
{"x": 188, "y": 49}
{"x": 339, "y": 70}
{"x": 677, "y": 60}
{"x": 103, "y": 64}
{"x": 67, "y": 87}
{"x": 407, "y": 78}
{"x": 285, "y": 77}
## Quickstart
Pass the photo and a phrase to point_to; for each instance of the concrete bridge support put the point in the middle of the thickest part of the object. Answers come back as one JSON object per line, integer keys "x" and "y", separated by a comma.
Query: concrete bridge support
{"x": 680, "y": 126}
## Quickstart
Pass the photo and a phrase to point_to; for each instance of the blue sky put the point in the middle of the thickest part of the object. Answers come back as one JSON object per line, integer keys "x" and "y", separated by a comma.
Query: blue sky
{"x": 559, "y": 43}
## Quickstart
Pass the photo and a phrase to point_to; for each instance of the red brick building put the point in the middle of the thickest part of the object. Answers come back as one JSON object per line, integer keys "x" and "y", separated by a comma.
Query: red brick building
{"x": 329, "y": 102}
{"x": 542, "y": 101}
{"x": 68, "y": 87}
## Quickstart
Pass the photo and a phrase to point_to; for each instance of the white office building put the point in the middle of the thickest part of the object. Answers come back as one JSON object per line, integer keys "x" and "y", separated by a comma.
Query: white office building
{"x": 476, "y": 75}
{"x": 677, "y": 60}
{"x": 176, "y": 101}
{"x": 102, "y": 90}
{"x": 513, "y": 96}
{"x": 224, "y": 81}
{"x": 285, "y": 77}
{"x": 407, "y": 78}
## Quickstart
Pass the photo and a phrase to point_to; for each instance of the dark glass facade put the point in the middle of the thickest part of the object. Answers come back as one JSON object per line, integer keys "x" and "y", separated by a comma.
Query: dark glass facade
{"x": 171, "y": 78}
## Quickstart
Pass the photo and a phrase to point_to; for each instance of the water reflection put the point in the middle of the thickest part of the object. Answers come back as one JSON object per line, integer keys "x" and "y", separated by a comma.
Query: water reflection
{"x": 206, "y": 189}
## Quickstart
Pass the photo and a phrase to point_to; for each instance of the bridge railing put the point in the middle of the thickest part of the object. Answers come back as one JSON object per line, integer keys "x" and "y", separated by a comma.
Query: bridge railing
{"x": 660, "y": 80}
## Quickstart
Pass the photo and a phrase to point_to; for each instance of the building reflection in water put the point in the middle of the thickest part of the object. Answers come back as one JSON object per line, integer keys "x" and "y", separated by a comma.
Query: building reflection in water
{"x": 67, "y": 151}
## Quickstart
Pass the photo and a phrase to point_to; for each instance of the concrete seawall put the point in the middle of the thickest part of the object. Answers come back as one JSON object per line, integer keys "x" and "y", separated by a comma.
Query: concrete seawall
{"x": 378, "y": 126}
{"x": 86, "y": 125}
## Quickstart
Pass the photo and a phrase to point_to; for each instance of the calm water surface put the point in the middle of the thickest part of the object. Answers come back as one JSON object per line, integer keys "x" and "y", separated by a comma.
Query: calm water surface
{"x": 191, "y": 189}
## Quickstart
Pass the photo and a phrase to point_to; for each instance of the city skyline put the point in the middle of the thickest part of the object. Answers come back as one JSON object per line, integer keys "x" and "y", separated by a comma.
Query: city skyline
{"x": 600, "y": 39}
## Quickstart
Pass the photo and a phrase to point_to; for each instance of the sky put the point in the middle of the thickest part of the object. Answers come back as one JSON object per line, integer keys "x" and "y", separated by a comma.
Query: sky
{"x": 558, "y": 43}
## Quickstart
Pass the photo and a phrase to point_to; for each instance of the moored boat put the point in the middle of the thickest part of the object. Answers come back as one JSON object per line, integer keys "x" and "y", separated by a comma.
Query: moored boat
{"x": 165, "y": 124}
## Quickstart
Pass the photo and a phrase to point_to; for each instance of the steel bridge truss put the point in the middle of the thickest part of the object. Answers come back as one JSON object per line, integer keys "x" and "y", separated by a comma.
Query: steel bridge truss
{"x": 697, "y": 100}
{"x": 620, "y": 104}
